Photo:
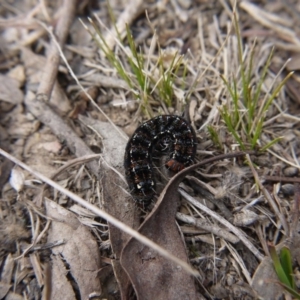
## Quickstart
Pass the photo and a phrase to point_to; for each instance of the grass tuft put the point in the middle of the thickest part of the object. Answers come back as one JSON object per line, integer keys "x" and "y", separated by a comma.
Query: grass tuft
{"x": 245, "y": 113}
{"x": 149, "y": 82}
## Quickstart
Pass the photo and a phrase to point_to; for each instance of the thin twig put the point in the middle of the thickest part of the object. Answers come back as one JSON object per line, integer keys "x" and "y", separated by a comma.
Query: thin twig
{"x": 281, "y": 179}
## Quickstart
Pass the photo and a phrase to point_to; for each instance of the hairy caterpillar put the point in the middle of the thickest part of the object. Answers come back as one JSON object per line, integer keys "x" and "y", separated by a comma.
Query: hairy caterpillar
{"x": 165, "y": 133}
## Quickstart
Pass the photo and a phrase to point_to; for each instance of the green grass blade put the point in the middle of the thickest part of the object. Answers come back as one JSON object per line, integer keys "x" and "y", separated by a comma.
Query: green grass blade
{"x": 137, "y": 63}
{"x": 250, "y": 67}
{"x": 231, "y": 92}
{"x": 183, "y": 80}
{"x": 228, "y": 121}
{"x": 286, "y": 263}
{"x": 110, "y": 54}
{"x": 257, "y": 133}
{"x": 278, "y": 267}
{"x": 236, "y": 104}
{"x": 240, "y": 54}
{"x": 113, "y": 19}
{"x": 167, "y": 77}
{"x": 270, "y": 144}
{"x": 235, "y": 98}
{"x": 276, "y": 91}
{"x": 261, "y": 81}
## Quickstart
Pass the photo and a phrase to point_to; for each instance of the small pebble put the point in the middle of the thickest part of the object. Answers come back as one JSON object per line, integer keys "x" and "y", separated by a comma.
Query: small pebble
{"x": 288, "y": 189}
{"x": 290, "y": 171}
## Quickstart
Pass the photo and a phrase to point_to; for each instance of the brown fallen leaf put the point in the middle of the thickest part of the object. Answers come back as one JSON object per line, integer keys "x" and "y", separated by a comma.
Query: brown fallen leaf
{"x": 80, "y": 253}
{"x": 61, "y": 287}
{"x": 4, "y": 288}
{"x": 264, "y": 281}
{"x": 9, "y": 90}
{"x": 116, "y": 201}
{"x": 153, "y": 276}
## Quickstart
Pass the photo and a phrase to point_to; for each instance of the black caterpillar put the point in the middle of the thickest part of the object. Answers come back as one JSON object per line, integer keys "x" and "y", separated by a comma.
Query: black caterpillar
{"x": 166, "y": 133}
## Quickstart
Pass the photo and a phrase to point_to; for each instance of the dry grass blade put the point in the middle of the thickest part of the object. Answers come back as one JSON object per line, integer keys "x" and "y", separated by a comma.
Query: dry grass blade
{"x": 208, "y": 227}
{"x": 232, "y": 228}
{"x": 269, "y": 198}
{"x": 239, "y": 260}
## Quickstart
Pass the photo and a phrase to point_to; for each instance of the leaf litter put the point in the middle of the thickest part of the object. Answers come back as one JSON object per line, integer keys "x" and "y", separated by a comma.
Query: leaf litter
{"x": 96, "y": 256}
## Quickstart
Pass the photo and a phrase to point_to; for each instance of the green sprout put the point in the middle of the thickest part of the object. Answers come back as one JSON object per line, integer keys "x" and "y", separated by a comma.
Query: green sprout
{"x": 284, "y": 270}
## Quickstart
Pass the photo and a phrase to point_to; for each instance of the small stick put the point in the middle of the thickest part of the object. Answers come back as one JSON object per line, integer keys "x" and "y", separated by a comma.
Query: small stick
{"x": 67, "y": 13}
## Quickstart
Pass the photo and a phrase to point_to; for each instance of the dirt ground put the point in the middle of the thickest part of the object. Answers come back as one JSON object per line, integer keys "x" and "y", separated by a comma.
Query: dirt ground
{"x": 67, "y": 111}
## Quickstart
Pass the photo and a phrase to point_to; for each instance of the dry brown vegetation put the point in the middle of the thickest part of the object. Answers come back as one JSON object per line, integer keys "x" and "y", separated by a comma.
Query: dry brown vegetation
{"x": 66, "y": 113}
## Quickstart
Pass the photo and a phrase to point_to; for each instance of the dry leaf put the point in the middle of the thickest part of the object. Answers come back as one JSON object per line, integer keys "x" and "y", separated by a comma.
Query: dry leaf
{"x": 13, "y": 296}
{"x": 80, "y": 253}
{"x": 153, "y": 276}
{"x": 18, "y": 73}
{"x": 53, "y": 147}
{"x": 4, "y": 288}
{"x": 62, "y": 288}
{"x": 115, "y": 199}
{"x": 9, "y": 90}
{"x": 264, "y": 281}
